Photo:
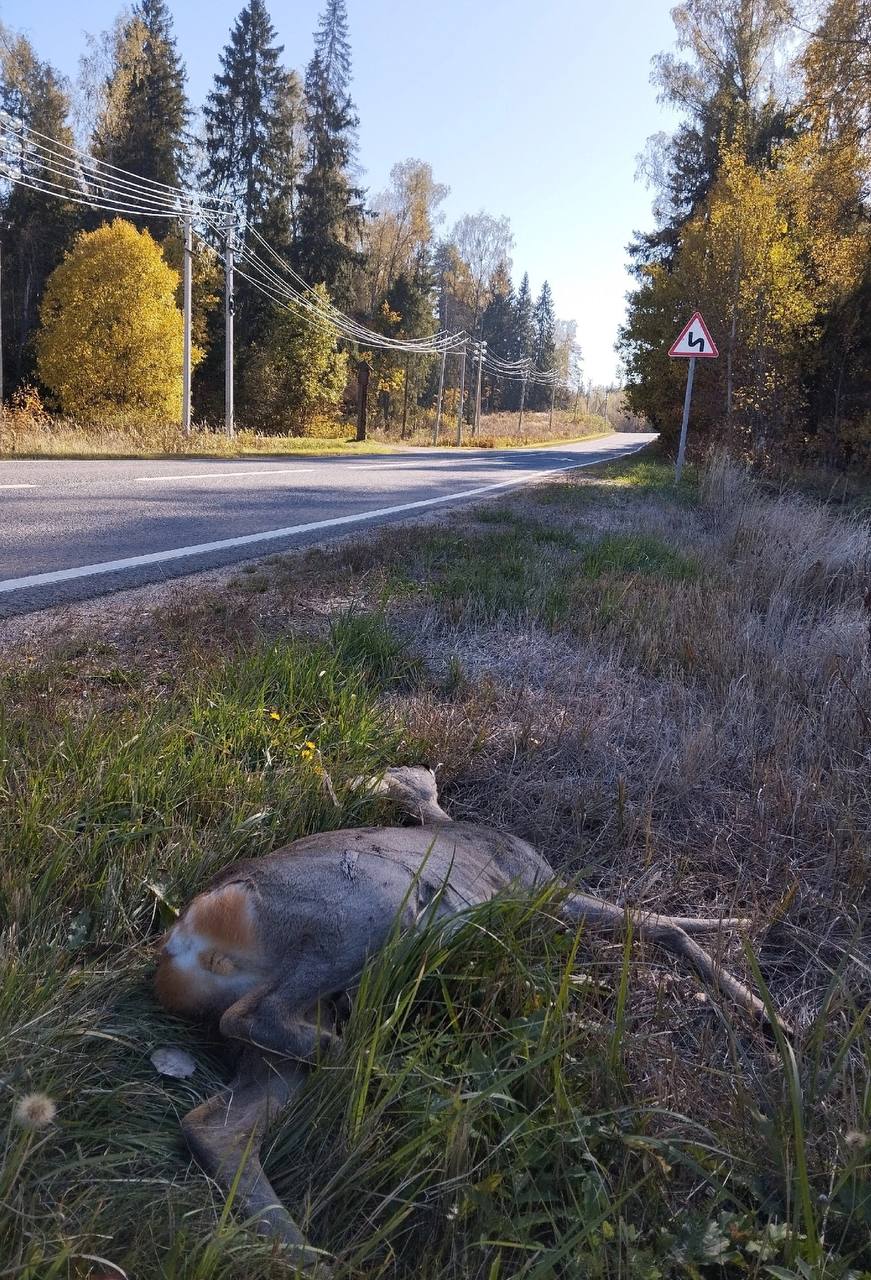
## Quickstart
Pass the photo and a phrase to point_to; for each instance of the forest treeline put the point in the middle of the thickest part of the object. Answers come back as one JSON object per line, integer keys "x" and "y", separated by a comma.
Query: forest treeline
{"x": 762, "y": 223}
{"x": 282, "y": 148}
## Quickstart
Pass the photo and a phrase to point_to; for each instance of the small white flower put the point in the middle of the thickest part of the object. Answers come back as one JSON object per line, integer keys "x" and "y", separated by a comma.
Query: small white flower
{"x": 35, "y": 1111}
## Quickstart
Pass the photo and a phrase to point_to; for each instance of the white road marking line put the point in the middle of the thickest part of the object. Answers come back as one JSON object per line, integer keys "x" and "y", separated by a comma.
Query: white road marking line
{"x": 18, "y": 486}
{"x": 205, "y": 548}
{"x": 283, "y": 471}
{"x": 222, "y": 475}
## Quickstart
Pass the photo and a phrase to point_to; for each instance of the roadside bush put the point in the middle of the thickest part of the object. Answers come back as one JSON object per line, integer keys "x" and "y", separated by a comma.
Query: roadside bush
{"x": 293, "y": 375}
{"x": 111, "y": 337}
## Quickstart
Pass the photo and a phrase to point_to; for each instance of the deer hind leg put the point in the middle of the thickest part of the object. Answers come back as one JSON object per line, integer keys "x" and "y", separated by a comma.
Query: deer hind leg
{"x": 225, "y": 1134}
{"x": 289, "y": 1015}
{"x": 672, "y": 933}
{"x": 273, "y": 1022}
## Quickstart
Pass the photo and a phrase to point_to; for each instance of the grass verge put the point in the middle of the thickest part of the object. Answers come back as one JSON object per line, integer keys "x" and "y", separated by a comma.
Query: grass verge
{"x": 25, "y": 435}
{"x": 669, "y": 694}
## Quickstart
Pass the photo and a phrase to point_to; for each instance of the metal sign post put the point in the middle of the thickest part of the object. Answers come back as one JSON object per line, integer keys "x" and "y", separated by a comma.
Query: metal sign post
{"x": 229, "y": 247}
{"x": 693, "y": 343}
{"x": 682, "y": 447}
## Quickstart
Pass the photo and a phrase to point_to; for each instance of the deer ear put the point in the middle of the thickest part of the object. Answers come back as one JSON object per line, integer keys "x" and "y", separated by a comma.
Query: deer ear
{"x": 218, "y": 962}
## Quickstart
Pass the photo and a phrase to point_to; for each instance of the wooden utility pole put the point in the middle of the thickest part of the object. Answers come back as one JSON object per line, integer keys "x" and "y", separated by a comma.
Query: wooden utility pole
{"x": 1, "y": 333}
{"x": 482, "y": 347}
{"x": 552, "y": 403}
{"x": 438, "y": 422}
{"x": 522, "y": 404}
{"x": 462, "y": 394}
{"x": 364, "y": 369}
{"x": 405, "y": 398}
{"x": 186, "y": 354}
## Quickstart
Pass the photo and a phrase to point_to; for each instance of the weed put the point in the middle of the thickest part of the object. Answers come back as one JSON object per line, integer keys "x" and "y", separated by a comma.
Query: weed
{"x": 531, "y": 569}
{"x": 254, "y": 583}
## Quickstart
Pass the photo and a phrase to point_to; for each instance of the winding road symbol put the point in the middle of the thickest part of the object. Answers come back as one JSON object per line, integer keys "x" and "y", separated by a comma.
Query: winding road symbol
{"x": 694, "y": 341}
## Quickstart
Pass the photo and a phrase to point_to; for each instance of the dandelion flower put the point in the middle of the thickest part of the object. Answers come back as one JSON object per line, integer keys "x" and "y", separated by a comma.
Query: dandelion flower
{"x": 275, "y": 715}
{"x": 35, "y": 1111}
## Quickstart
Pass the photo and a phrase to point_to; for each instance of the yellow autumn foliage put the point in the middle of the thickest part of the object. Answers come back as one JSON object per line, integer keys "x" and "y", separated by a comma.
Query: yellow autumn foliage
{"x": 111, "y": 335}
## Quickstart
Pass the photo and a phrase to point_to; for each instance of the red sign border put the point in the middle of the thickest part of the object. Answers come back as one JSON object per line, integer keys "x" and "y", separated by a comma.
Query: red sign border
{"x": 695, "y": 319}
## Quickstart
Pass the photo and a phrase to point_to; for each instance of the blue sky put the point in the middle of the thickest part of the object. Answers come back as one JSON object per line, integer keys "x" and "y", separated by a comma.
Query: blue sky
{"x": 532, "y": 108}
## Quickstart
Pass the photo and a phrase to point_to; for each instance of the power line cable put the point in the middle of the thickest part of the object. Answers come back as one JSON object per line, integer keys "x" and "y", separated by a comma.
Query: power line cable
{"x": 100, "y": 185}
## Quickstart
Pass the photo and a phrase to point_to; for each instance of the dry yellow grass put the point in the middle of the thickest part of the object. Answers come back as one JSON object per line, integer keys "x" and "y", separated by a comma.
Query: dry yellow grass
{"x": 27, "y": 431}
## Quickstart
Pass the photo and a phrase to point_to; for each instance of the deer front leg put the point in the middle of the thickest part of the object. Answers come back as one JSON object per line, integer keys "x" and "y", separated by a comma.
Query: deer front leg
{"x": 225, "y": 1134}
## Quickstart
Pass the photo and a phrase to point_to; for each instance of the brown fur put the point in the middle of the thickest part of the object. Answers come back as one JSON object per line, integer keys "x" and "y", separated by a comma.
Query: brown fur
{"x": 172, "y": 988}
{"x": 224, "y": 916}
{"x": 215, "y": 939}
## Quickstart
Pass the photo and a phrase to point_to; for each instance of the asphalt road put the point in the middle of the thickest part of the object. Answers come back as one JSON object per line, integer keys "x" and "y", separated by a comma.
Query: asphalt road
{"x": 73, "y": 530}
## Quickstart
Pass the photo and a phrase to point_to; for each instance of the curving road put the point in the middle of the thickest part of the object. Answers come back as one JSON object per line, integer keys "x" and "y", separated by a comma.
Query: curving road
{"x": 72, "y": 530}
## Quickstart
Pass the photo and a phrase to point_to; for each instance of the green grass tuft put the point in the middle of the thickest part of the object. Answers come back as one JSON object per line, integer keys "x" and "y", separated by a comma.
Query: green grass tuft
{"x": 504, "y": 573}
{"x": 169, "y": 789}
{"x": 530, "y": 569}
{"x": 630, "y": 553}
{"x": 364, "y": 641}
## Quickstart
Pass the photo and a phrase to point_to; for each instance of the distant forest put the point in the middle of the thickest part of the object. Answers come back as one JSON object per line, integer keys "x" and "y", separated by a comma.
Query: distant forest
{"x": 762, "y": 223}
{"x": 281, "y": 147}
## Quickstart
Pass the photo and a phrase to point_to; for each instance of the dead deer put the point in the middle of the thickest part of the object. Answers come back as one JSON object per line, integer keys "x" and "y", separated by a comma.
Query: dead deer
{"x": 270, "y": 939}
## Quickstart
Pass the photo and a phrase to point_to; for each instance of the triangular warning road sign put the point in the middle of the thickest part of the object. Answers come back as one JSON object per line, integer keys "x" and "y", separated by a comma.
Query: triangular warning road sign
{"x": 695, "y": 341}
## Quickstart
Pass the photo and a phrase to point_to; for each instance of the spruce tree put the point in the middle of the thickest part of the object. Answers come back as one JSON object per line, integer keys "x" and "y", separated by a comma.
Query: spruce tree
{"x": 544, "y": 328}
{"x": 497, "y": 329}
{"x": 252, "y": 116}
{"x": 37, "y": 227}
{"x": 333, "y": 47}
{"x": 144, "y": 124}
{"x": 524, "y": 336}
{"x": 330, "y": 211}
